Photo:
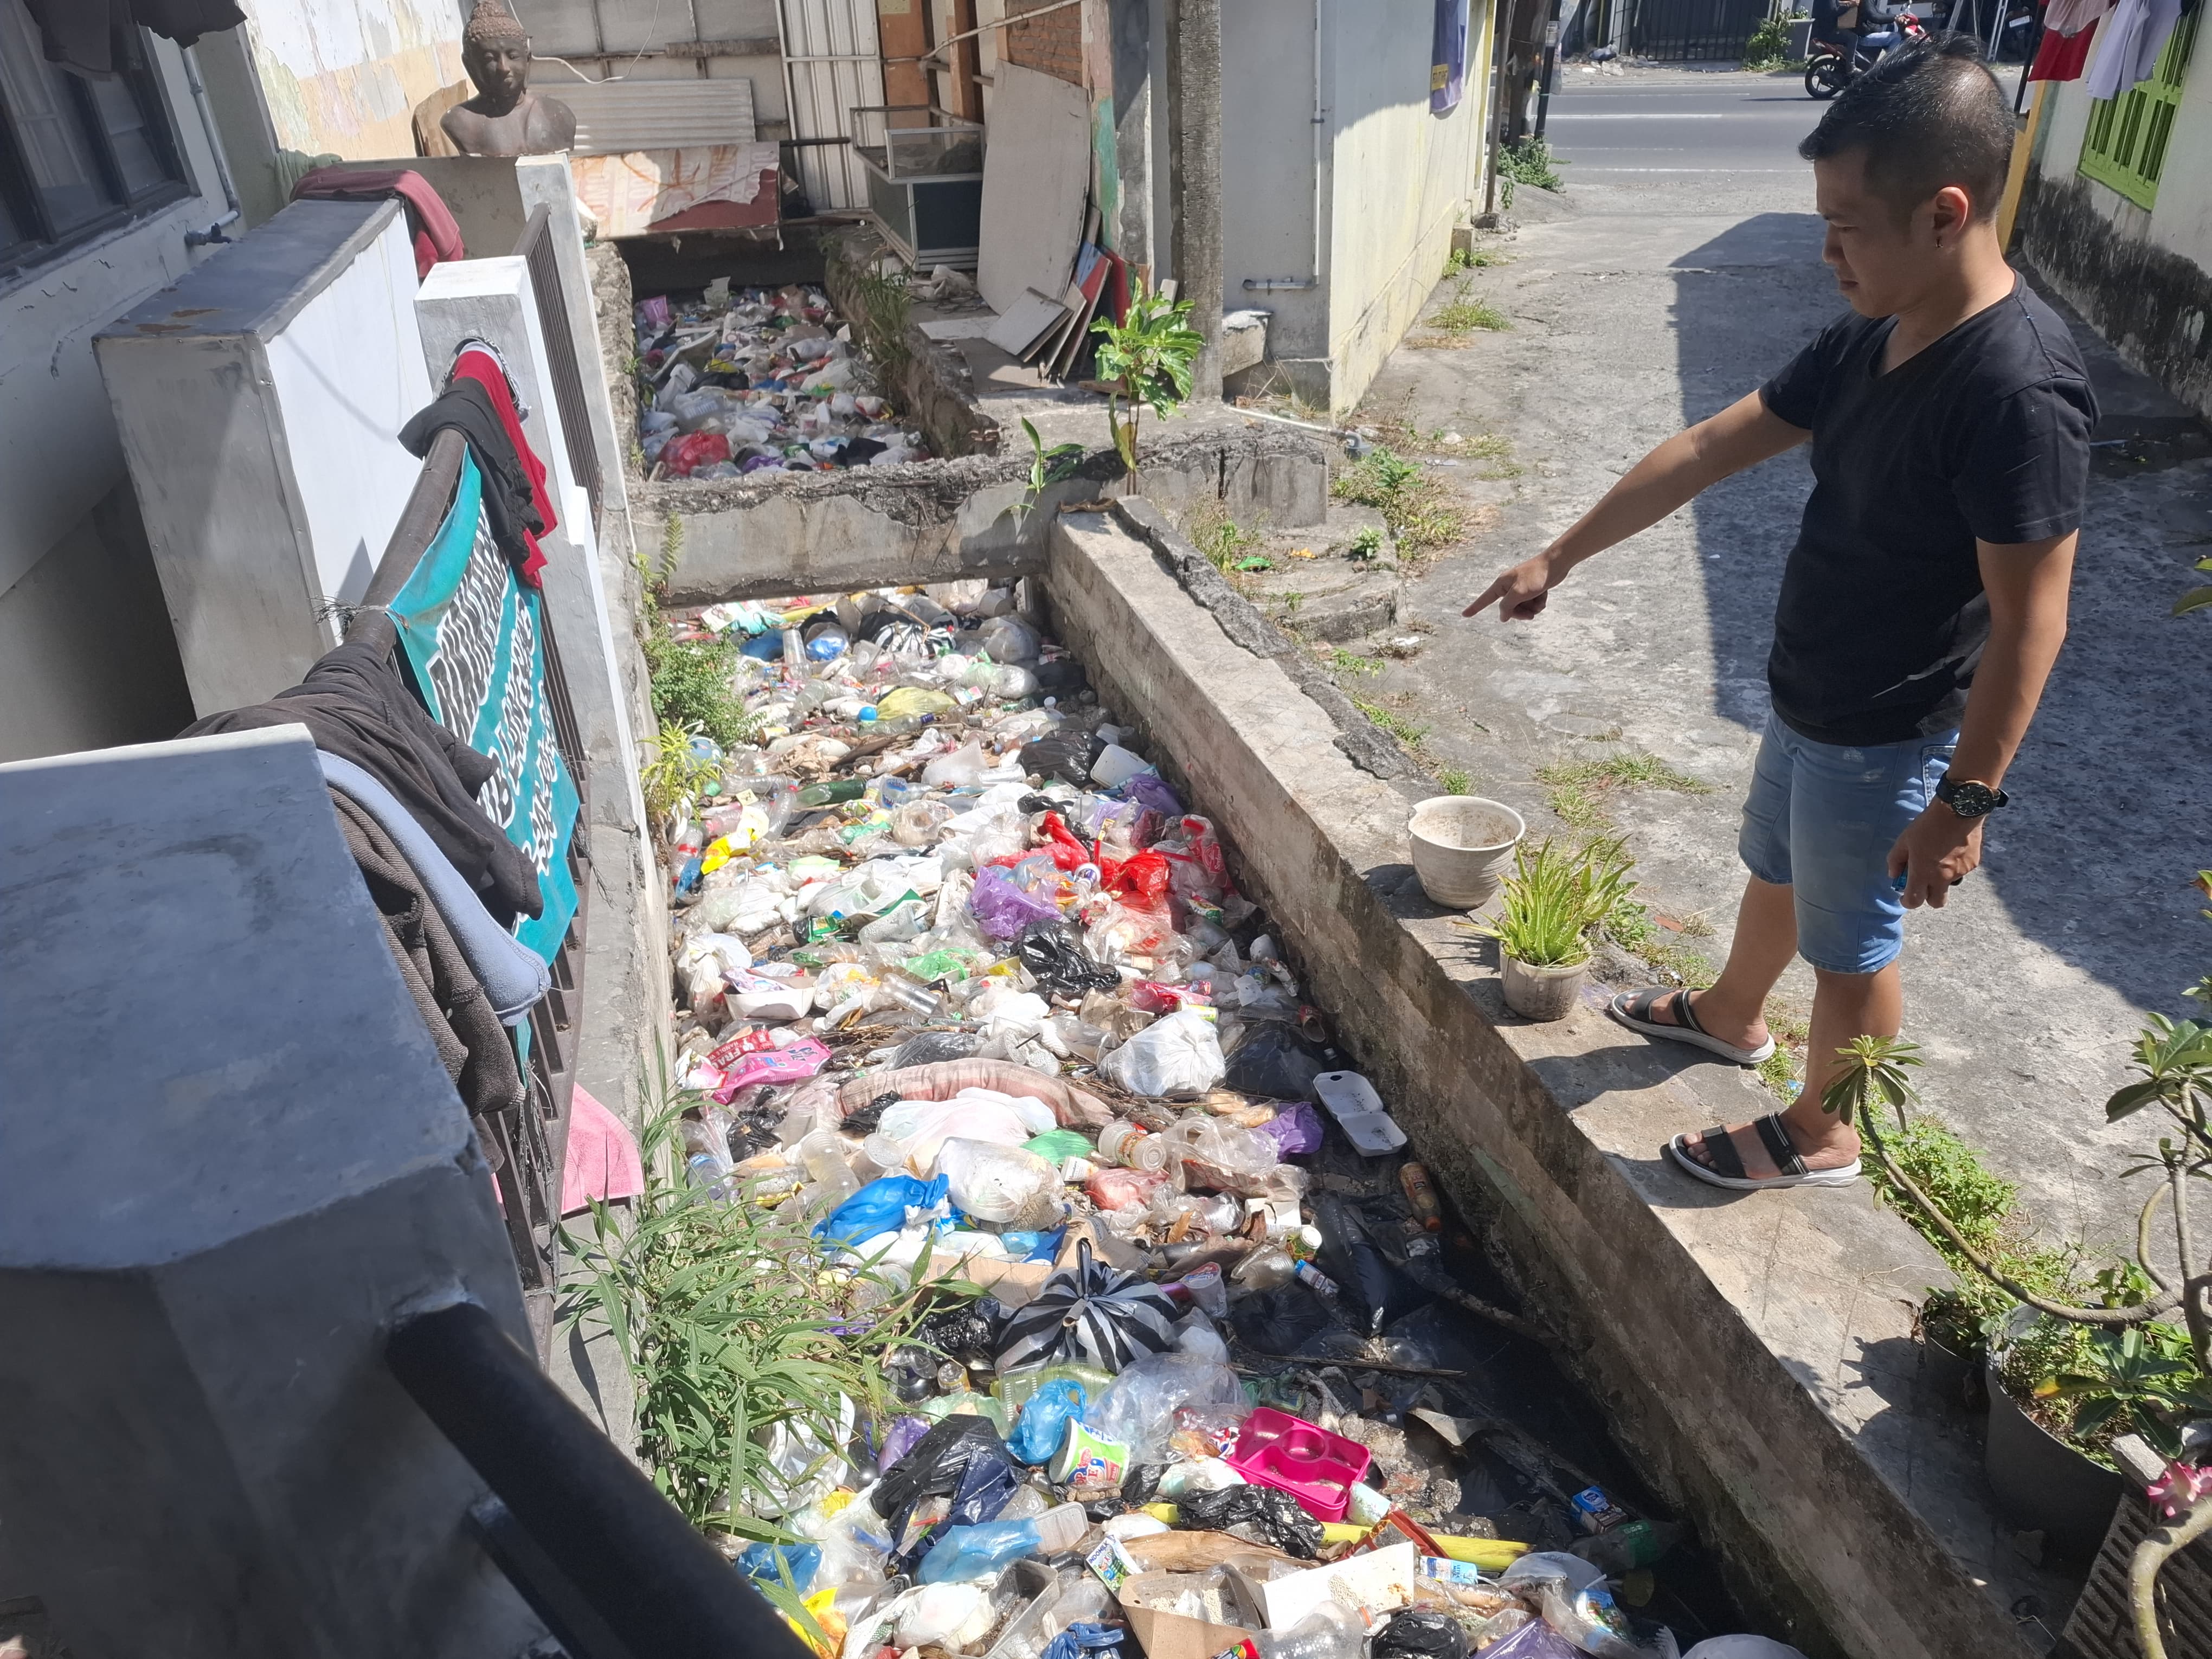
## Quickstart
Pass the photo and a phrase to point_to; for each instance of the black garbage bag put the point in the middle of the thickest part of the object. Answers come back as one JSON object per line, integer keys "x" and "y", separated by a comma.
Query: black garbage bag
{"x": 1350, "y": 1258}
{"x": 1287, "y": 1321}
{"x": 1049, "y": 951}
{"x": 866, "y": 1121}
{"x": 1141, "y": 1484}
{"x": 1418, "y": 1633}
{"x": 961, "y": 1459}
{"x": 1273, "y": 1060}
{"x": 1058, "y": 678}
{"x": 930, "y": 1048}
{"x": 968, "y": 1333}
{"x": 1259, "y": 1515}
{"x": 1067, "y": 756}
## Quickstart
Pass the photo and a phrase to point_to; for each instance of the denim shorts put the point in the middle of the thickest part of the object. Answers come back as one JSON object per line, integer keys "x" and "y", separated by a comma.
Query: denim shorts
{"x": 1820, "y": 820}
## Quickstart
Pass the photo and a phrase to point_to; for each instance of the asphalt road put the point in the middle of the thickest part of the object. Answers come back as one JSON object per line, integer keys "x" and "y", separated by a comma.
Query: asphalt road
{"x": 1683, "y": 126}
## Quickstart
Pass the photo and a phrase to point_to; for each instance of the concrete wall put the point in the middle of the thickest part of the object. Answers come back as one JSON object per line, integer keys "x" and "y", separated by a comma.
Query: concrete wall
{"x": 342, "y": 77}
{"x": 2144, "y": 279}
{"x": 85, "y": 659}
{"x": 1270, "y": 148}
{"x": 1400, "y": 177}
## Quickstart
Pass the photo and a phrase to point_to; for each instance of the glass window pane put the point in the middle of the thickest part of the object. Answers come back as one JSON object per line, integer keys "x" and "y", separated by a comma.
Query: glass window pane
{"x": 132, "y": 135}
{"x": 57, "y": 156}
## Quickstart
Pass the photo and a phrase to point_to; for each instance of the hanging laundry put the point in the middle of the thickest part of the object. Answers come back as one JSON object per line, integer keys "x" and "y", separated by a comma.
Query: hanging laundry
{"x": 477, "y": 362}
{"x": 473, "y": 1045}
{"x": 2133, "y": 40}
{"x": 2062, "y": 57}
{"x": 354, "y": 705}
{"x": 437, "y": 238}
{"x": 510, "y": 497}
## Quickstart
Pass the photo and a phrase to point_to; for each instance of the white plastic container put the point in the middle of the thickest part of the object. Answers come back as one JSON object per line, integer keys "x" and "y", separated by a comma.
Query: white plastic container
{"x": 1115, "y": 766}
{"x": 1351, "y": 1099}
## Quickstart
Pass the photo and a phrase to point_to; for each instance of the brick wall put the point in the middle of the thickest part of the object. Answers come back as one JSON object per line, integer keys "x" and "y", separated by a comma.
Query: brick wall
{"x": 1053, "y": 44}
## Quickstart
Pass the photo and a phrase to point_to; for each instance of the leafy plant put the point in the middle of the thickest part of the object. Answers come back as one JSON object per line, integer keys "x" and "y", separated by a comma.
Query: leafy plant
{"x": 1576, "y": 790}
{"x": 1419, "y": 513}
{"x": 1556, "y": 896}
{"x": 1366, "y": 541}
{"x": 694, "y": 685}
{"x": 1530, "y": 161}
{"x": 1409, "y": 732}
{"x": 885, "y": 303}
{"x": 1341, "y": 661}
{"x": 2120, "y": 1361}
{"x": 1479, "y": 259}
{"x": 1148, "y": 355}
{"x": 734, "y": 1323}
{"x": 1463, "y": 315}
{"x": 673, "y": 770}
{"x": 1768, "y": 47}
{"x": 1047, "y": 467}
{"x": 1220, "y": 538}
{"x": 1455, "y": 781}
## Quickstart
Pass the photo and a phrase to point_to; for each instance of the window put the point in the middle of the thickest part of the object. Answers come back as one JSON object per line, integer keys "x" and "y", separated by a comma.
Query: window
{"x": 77, "y": 156}
{"x": 2126, "y": 144}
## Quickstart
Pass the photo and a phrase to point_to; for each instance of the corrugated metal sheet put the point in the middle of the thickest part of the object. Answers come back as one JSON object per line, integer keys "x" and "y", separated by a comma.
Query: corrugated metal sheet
{"x": 833, "y": 63}
{"x": 614, "y": 116}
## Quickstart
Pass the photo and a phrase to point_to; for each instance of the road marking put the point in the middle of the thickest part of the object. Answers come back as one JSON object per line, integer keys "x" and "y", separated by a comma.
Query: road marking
{"x": 1588, "y": 169}
{"x": 1639, "y": 115}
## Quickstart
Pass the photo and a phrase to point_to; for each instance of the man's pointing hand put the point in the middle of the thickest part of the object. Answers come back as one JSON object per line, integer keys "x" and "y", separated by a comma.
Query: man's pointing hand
{"x": 1519, "y": 594}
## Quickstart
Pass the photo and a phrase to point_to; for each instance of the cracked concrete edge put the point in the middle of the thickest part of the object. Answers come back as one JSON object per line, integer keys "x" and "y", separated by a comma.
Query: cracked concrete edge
{"x": 1362, "y": 741}
{"x": 1752, "y": 1351}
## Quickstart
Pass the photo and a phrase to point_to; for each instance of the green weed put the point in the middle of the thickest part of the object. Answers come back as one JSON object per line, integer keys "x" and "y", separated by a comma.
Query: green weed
{"x": 1407, "y": 732}
{"x": 1341, "y": 661}
{"x": 1366, "y": 541}
{"x": 1219, "y": 536}
{"x": 1464, "y": 315}
{"x": 694, "y": 687}
{"x": 1576, "y": 790}
{"x": 1419, "y": 512}
{"x": 1480, "y": 258}
{"x": 1455, "y": 781}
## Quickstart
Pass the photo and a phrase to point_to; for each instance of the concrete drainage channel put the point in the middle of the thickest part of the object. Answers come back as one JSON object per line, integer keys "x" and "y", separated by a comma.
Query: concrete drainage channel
{"x": 773, "y": 533}
{"x": 1754, "y": 1356}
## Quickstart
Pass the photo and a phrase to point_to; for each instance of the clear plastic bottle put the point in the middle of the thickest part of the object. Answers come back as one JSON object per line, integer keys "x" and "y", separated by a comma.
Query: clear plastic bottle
{"x": 1331, "y": 1631}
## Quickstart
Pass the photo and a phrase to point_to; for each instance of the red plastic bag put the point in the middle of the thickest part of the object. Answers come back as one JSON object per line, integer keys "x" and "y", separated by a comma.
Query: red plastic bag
{"x": 693, "y": 450}
{"x": 1140, "y": 880}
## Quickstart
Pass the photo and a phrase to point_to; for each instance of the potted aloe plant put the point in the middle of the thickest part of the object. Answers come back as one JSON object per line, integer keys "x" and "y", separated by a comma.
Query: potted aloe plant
{"x": 2066, "y": 1375}
{"x": 1555, "y": 895}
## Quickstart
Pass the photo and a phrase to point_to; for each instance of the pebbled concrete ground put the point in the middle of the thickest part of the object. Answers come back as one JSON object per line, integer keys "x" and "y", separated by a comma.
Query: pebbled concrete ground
{"x": 1645, "y": 300}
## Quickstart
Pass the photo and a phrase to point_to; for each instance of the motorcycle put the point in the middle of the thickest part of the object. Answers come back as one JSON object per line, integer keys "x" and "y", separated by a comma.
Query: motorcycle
{"x": 1830, "y": 69}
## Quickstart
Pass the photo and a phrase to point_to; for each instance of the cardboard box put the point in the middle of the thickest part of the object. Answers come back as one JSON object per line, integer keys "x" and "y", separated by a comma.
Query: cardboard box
{"x": 1164, "y": 1635}
{"x": 1380, "y": 1582}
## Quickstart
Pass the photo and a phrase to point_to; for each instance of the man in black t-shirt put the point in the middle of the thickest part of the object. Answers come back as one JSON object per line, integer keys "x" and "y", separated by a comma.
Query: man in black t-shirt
{"x": 1922, "y": 606}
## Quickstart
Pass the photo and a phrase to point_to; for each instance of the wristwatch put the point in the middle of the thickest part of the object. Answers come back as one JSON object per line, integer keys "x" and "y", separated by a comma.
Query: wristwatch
{"x": 1970, "y": 799}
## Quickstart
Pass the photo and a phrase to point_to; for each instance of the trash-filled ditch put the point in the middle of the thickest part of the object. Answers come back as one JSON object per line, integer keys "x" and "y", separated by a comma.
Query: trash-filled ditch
{"x": 1132, "y": 1323}
{"x": 743, "y": 380}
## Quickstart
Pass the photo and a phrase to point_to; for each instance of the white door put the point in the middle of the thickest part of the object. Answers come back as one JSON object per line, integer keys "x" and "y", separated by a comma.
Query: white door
{"x": 833, "y": 62}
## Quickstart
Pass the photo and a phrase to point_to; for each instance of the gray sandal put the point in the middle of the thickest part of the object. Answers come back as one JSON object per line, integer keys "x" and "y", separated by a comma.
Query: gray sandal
{"x": 1726, "y": 1169}
{"x": 1634, "y": 1010}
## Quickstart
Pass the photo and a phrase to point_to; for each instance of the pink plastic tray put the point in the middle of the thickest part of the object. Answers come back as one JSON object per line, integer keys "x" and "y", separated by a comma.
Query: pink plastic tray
{"x": 1316, "y": 1467}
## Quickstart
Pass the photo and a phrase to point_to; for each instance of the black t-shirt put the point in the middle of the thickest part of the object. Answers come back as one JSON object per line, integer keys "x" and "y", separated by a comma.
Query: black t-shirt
{"x": 1983, "y": 435}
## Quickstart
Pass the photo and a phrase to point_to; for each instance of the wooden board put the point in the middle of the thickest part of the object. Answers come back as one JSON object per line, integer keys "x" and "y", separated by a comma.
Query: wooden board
{"x": 1025, "y": 322}
{"x": 1036, "y": 173}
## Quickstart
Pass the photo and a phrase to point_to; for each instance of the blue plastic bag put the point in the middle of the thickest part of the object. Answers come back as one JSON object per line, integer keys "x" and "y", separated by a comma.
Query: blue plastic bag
{"x": 1083, "y": 1638}
{"x": 1034, "y": 1247}
{"x": 878, "y": 1208}
{"x": 1042, "y": 1429}
{"x": 766, "y": 1562}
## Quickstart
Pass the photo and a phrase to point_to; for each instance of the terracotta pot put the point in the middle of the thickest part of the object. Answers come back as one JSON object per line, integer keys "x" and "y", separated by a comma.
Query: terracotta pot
{"x": 1536, "y": 993}
{"x": 2042, "y": 1484}
{"x": 1462, "y": 845}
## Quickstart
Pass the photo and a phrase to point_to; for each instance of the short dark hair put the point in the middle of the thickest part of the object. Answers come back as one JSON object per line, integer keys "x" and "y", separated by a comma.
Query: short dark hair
{"x": 1926, "y": 115}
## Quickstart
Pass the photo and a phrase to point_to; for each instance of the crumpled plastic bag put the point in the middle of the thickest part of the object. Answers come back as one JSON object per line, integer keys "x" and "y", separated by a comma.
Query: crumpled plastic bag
{"x": 1295, "y": 1129}
{"x": 1139, "y": 1410}
{"x": 1274, "y": 1063}
{"x": 881, "y": 1206}
{"x": 960, "y": 1458}
{"x": 1259, "y": 1515}
{"x": 1042, "y": 1429}
{"x": 1177, "y": 1058}
{"x": 1004, "y": 907}
{"x": 1053, "y": 958}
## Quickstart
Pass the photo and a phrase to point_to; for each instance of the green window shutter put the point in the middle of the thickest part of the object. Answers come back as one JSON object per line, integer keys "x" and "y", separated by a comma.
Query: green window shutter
{"x": 2126, "y": 144}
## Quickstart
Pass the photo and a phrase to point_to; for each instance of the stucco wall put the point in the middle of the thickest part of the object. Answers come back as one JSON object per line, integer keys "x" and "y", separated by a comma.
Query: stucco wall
{"x": 1268, "y": 145}
{"x": 1402, "y": 176}
{"x": 2144, "y": 279}
{"x": 342, "y": 77}
{"x": 601, "y": 37}
{"x": 86, "y": 657}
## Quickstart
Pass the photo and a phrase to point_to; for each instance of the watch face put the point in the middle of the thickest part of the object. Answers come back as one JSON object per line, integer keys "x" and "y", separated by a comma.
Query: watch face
{"x": 1973, "y": 800}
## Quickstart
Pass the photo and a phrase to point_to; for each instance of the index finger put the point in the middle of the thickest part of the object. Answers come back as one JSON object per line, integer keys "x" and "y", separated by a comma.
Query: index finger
{"x": 1490, "y": 596}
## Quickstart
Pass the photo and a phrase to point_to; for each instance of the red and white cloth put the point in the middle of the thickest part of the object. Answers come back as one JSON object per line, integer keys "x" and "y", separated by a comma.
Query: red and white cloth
{"x": 478, "y": 364}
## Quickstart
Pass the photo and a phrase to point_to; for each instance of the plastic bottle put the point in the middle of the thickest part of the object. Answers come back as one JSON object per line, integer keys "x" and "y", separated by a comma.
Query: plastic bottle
{"x": 1317, "y": 1281}
{"x": 1421, "y": 1194}
{"x": 1331, "y": 1631}
{"x": 1132, "y": 1147}
{"x": 1268, "y": 1268}
{"x": 832, "y": 795}
{"x": 1623, "y": 1548}
{"x": 967, "y": 1553}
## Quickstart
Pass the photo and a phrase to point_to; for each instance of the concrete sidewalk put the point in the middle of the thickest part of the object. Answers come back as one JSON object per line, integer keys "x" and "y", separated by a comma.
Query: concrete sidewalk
{"x": 1642, "y": 306}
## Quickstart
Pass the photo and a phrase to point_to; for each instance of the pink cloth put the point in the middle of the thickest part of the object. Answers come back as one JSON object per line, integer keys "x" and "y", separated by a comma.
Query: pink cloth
{"x": 437, "y": 238}
{"x": 603, "y": 1162}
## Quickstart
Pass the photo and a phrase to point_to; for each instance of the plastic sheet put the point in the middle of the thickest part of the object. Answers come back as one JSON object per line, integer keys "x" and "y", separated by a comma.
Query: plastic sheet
{"x": 1176, "y": 1058}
